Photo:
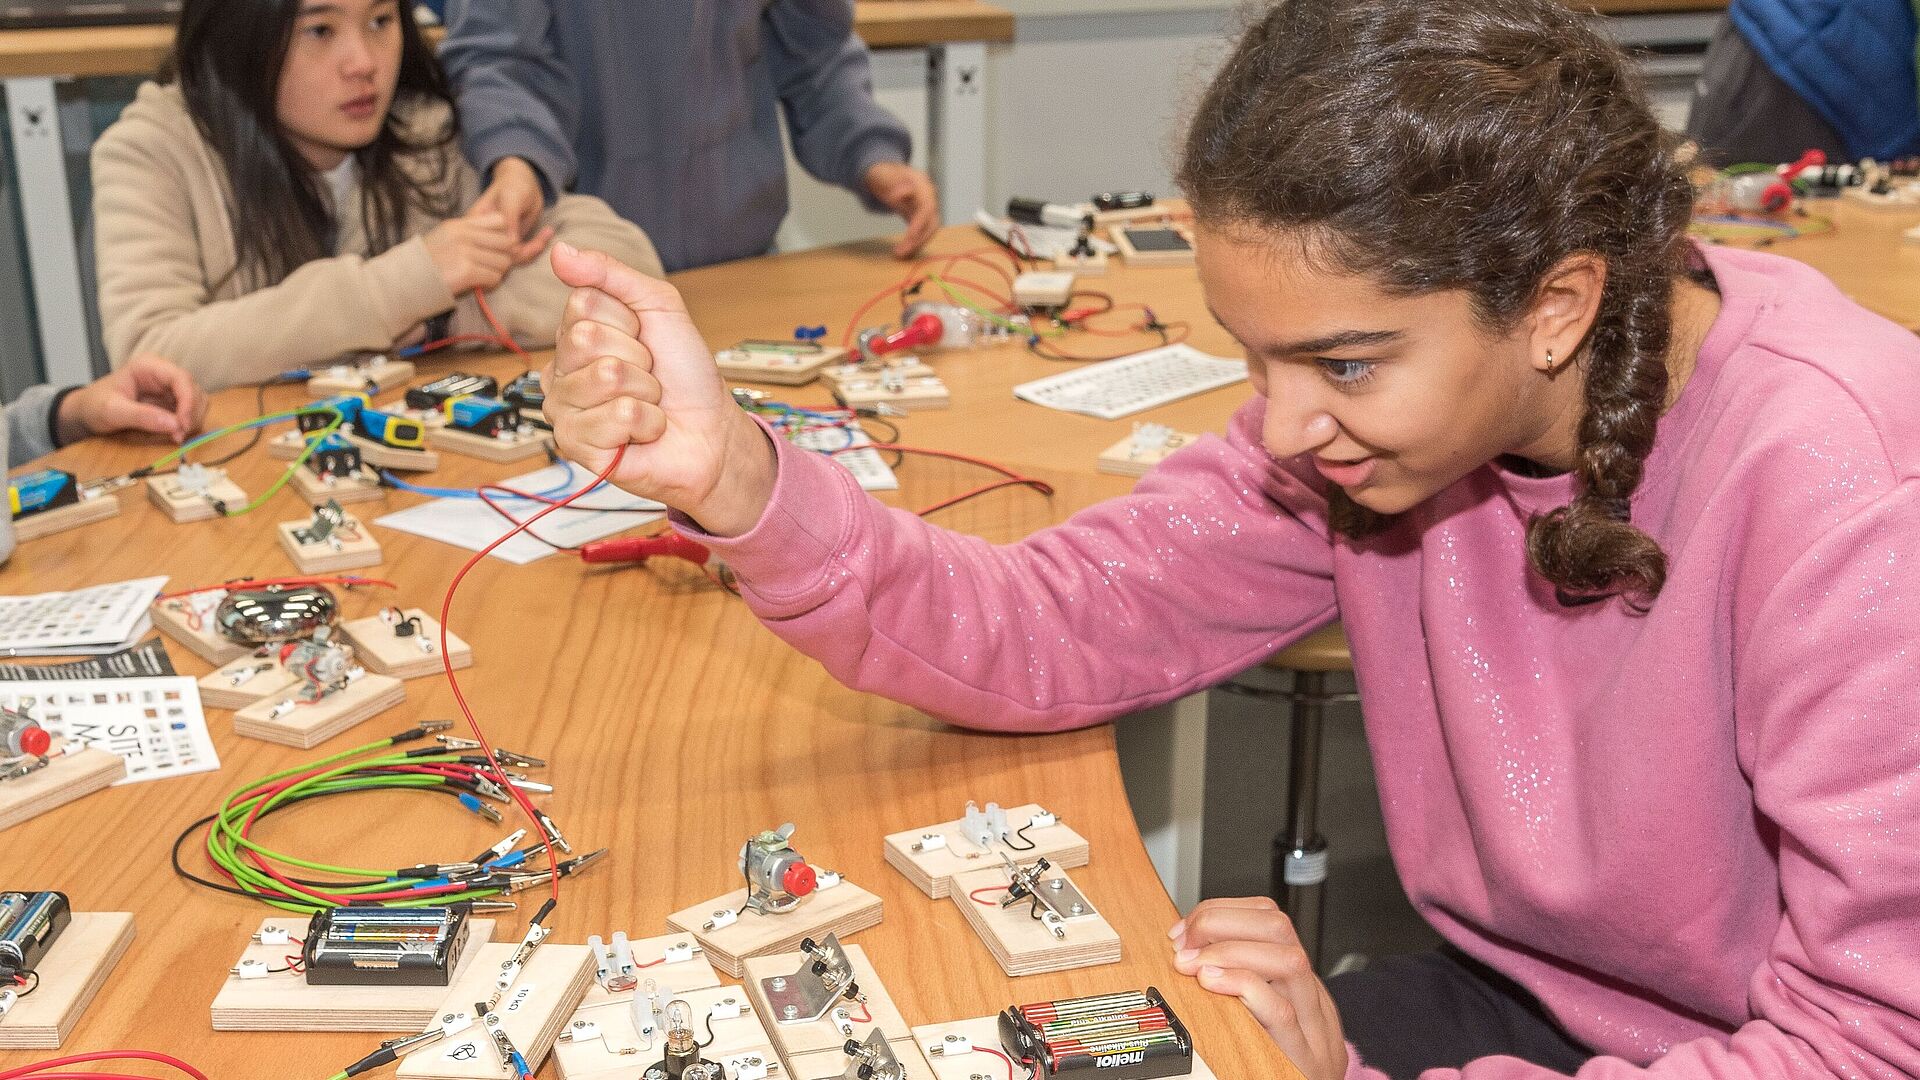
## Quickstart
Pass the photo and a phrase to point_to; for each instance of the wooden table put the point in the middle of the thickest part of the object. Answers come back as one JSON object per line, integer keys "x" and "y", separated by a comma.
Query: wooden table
{"x": 1865, "y": 255}
{"x": 674, "y": 723}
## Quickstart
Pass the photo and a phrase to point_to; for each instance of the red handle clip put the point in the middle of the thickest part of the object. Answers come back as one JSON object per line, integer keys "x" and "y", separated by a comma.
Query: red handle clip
{"x": 642, "y": 548}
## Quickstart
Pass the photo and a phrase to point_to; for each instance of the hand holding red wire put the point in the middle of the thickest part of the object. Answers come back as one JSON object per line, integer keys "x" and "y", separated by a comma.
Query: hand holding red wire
{"x": 632, "y": 373}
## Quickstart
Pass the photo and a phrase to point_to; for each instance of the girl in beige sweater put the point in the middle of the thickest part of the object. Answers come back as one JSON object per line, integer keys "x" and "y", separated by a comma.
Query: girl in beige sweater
{"x": 291, "y": 191}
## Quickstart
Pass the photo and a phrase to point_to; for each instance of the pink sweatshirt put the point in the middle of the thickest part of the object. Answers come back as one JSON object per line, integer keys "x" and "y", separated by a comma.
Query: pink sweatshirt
{"x": 1694, "y": 834}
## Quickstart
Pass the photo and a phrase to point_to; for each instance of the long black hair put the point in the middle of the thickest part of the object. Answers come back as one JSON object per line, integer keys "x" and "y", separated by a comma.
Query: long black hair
{"x": 227, "y": 58}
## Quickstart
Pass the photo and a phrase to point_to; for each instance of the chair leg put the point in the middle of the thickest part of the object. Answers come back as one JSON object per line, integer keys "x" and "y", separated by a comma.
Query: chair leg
{"x": 1300, "y": 852}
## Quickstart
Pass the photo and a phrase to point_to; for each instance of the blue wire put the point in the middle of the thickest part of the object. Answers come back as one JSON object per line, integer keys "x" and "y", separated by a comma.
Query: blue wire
{"x": 387, "y": 477}
{"x": 249, "y": 425}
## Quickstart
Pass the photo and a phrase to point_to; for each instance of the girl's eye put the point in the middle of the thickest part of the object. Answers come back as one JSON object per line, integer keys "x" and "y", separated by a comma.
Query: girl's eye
{"x": 1346, "y": 373}
{"x": 381, "y": 22}
{"x": 319, "y": 31}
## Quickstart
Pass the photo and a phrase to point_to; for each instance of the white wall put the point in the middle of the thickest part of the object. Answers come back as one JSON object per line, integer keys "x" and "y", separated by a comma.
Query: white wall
{"x": 1093, "y": 96}
{"x": 1089, "y": 97}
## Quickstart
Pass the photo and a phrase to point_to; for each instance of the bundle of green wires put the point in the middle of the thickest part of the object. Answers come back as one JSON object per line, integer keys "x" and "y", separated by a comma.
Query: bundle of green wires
{"x": 263, "y": 873}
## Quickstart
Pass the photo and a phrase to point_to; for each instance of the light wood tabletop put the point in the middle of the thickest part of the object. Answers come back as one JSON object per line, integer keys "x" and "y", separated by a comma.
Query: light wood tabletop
{"x": 138, "y": 50}
{"x": 675, "y": 726}
{"x": 1865, "y": 254}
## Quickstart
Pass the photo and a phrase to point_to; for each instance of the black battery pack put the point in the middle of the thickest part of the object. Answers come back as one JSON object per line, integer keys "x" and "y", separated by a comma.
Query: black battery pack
{"x": 1132, "y": 1035}
{"x": 384, "y": 946}
{"x": 30, "y": 922}
{"x": 447, "y": 387}
{"x": 526, "y": 392}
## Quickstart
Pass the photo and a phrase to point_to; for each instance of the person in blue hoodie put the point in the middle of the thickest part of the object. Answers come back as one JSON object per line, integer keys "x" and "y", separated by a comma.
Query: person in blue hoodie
{"x": 672, "y": 113}
{"x": 1786, "y": 76}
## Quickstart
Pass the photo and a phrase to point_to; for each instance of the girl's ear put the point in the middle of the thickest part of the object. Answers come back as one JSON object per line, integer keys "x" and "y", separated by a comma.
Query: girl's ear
{"x": 1564, "y": 310}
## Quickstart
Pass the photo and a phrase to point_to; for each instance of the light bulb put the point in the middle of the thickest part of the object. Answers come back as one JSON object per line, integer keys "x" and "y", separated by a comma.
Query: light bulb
{"x": 679, "y": 1017}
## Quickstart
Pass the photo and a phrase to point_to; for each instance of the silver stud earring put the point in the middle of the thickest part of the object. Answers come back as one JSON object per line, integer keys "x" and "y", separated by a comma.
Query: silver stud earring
{"x": 1549, "y": 357}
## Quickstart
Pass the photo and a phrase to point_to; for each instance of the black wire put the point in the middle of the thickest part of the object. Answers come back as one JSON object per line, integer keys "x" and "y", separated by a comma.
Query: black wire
{"x": 1094, "y": 293}
{"x": 1033, "y": 346}
{"x": 709, "y": 1041}
{"x": 253, "y": 440}
{"x": 1022, "y": 834}
{"x": 36, "y": 985}
{"x": 893, "y": 436}
{"x": 174, "y": 855}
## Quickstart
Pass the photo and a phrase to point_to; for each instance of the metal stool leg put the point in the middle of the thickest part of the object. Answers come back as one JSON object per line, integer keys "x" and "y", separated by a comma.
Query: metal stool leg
{"x": 1300, "y": 852}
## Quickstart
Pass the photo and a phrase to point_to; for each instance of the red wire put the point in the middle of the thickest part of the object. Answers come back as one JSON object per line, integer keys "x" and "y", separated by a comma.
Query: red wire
{"x": 456, "y": 339}
{"x": 1017, "y": 481}
{"x": 83, "y": 1076}
{"x": 1000, "y": 1055}
{"x": 866, "y": 1016}
{"x": 500, "y": 332}
{"x": 1012, "y": 478}
{"x": 103, "y": 1055}
{"x": 446, "y": 655}
{"x": 975, "y": 895}
{"x": 853, "y": 324}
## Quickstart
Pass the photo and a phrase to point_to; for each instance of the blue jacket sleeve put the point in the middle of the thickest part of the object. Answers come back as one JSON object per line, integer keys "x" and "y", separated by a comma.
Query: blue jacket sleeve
{"x": 516, "y": 98}
{"x": 824, "y": 77}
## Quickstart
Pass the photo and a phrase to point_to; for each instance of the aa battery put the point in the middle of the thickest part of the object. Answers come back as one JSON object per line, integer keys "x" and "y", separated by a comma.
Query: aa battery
{"x": 29, "y": 925}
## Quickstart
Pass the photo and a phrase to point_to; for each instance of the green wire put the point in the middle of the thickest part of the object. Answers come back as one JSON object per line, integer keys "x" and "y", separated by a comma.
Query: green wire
{"x": 269, "y": 418}
{"x": 226, "y": 845}
{"x": 998, "y": 320}
{"x": 305, "y": 453}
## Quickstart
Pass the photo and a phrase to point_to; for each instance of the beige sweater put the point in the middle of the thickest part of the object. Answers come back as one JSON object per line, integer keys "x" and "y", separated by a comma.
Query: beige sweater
{"x": 164, "y": 239}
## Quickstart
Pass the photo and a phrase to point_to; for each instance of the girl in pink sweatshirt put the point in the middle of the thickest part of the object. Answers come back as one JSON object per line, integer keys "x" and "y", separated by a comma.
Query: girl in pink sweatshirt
{"x": 1625, "y": 534}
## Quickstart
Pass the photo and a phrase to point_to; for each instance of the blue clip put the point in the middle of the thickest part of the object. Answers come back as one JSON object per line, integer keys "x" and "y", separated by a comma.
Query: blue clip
{"x": 809, "y": 333}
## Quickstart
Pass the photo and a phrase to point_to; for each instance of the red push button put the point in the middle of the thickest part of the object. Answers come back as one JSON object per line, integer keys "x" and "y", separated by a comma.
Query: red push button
{"x": 799, "y": 879}
{"x": 36, "y": 741}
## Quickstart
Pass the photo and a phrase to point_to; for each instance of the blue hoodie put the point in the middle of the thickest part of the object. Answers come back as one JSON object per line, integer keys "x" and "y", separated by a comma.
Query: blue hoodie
{"x": 1851, "y": 60}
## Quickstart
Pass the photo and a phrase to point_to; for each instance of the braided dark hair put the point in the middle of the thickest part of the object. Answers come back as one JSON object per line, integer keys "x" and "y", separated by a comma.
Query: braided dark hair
{"x": 1472, "y": 145}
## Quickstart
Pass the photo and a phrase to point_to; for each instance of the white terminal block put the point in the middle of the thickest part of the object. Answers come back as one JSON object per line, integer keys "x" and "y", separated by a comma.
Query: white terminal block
{"x": 843, "y": 1019}
{"x": 1043, "y": 288}
{"x": 8, "y": 997}
{"x": 721, "y": 917}
{"x": 677, "y": 953}
{"x": 951, "y": 1046}
{"x": 251, "y": 969}
{"x": 194, "y": 479}
{"x": 274, "y": 936}
{"x": 726, "y": 1009}
{"x": 1042, "y": 819}
{"x": 932, "y": 841}
{"x": 622, "y": 953}
{"x": 826, "y": 879}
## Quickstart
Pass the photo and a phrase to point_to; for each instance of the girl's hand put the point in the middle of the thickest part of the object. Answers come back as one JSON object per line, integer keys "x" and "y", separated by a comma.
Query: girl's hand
{"x": 1246, "y": 948}
{"x": 474, "y": 251}
{"x": 631, "y": 370}
{"x": 148, "y": 393}
{"x": 514, "y": 192}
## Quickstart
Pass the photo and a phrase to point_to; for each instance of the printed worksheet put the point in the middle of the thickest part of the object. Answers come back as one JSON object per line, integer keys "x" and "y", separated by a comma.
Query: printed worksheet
{"x": 155, "y": 724}
{"x": 104, "y": 618}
